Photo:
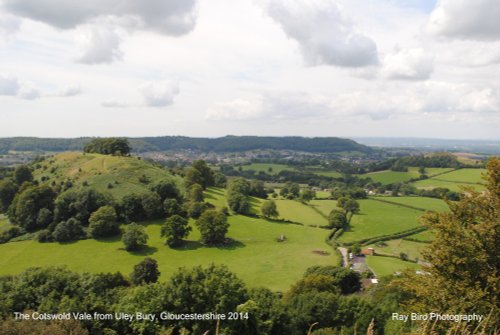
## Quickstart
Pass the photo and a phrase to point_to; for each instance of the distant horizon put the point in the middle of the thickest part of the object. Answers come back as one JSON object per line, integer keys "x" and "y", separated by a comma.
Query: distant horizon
{"x": 250, "y": 135}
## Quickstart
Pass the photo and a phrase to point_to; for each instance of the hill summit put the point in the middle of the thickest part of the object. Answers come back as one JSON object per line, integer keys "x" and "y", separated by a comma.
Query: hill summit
{"x": 117, "y": 175}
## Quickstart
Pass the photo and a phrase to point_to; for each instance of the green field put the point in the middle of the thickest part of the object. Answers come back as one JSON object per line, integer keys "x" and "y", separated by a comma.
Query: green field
{"x": 324, "y": 206}
{"x": 256, "y": 256}
{"x": 298, "y": 212}
{"x": 333, "y": 174}
{"x": 99, "y": 171}
{"x": 389, "y": 177}
{"x": 217, "y": 197}
{"x": 453, "y": 180}
{"x": 384, "y": 266}
{"x": 424, "y": 236}
{"x": 264, "y": 167}
{"x": 323, "y": 194}
{"x": 395, "y": 247}
{"x": 431, "y": 204}
{"x": 377, "y": 218}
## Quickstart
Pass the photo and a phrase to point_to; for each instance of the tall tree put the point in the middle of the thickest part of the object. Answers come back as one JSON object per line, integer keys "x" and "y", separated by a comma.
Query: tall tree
{"x": 8, "y": 190}
{"x": 23, "y": 174}
{"x": 145, "y": 272}
{"x": 103, "y": 222}
{"x": 463, "y": 275}
{"x": 213, "y": 227}
{"x": 207, "y": 175}
{"x": 134, "y": 237}
{"x": 174, "y": 230}
{"x": 269, "y": 209}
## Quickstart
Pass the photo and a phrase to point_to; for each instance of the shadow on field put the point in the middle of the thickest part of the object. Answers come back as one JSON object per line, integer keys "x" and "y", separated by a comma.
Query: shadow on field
{"x": 146, "y": 251}
{"x": 189, "y": 245}
{"x": 229, "y": 245}
{"x": 193, "y": 245}
{"x": 112, "y": 239}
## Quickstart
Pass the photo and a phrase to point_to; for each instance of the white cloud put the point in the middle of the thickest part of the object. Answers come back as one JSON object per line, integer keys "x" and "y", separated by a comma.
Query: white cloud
{"x": 169, "y": 17}
{"x": 271, "y": 106}
{"x": 99, "y": 44}
{"x": 112, "y": 103}
{"x": 70, "y": 91}
{"x": 9, "y": 85}
{"x": 238, "y": 109}
{"x": 159, "y": 94}
{"x": 408, "y": 64}
{"x": 28, "y": 92}
{"x": 324, "y": 33}
{"x": 9, "y": 25}
{"x": 466, "y": 19}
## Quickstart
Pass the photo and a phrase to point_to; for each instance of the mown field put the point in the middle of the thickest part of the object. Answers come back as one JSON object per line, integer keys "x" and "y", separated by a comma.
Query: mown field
{"x": 430, "y": 204}
{"x": 377, "y": 218}
{"x": 296, "y": 211}
{"x": 395, "y": 247}
{"x": 389, "y": 177}
{"x": 116, "y": 175}
{"x": 453, "y": 180}
{"x": 255, "y": 255}
{"x": 324, "y": 206}
{"x": 385, "y": 266}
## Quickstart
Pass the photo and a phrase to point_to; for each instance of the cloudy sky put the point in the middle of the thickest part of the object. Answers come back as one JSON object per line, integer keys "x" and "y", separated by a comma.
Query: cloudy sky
{"x": 391, "y": 68}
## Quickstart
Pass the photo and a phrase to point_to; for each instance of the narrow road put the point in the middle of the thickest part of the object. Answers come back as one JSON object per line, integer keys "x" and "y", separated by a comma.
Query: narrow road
{"x": 345, "y": 260}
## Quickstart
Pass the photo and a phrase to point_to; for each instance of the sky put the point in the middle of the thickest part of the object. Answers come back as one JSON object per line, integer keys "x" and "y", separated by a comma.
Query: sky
{"x": 347, "y": 68}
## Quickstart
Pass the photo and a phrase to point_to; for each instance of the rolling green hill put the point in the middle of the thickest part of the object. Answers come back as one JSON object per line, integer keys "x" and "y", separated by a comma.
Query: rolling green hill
{"x": 114, "y": 174}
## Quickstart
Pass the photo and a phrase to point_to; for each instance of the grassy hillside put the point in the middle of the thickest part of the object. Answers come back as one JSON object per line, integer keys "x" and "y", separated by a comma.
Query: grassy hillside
{"x": 389, "y": 177}
{"x": 430, "y": 204}
{"x": 116, "y": 175}
{"x": 452, "y": 180}
{"x": 395, "y": 247}
{"x": 384, "y": 266}
{"x": 377, "y": 218}
{"x": 256, "y": 256}
{"x": 298, "y": 212}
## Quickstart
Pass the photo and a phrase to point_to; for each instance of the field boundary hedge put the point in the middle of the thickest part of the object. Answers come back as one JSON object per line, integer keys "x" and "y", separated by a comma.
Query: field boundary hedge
{"x": 402, "y": 205}
{"x": 401, "y": 234}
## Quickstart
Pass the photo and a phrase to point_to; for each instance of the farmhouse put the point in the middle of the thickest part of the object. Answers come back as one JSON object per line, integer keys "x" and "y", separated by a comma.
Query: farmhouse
{"x": 368, "y": 252}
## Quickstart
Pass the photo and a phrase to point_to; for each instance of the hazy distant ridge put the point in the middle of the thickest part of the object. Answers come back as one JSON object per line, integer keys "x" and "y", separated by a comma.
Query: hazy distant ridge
{"x": 221, "y": 144}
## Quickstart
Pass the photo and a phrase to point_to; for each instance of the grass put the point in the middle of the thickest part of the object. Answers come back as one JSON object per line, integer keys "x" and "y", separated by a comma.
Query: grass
{"x": 431, "y": 204}
{"x": 333, "y": 174}
{"x": 324, "y": 206}
{"x": 264, "y": 167}
{"x": 385, "y": 266}
{"x": 98, "y": 171}
{"x": 424, "y": 236}
{"x": 453, "y": 180}
{"x": 217, "y": 197}
{"x": 256, "y": 256}
{"x": 323, "y": 194}
{"x": 377, "y": 218}
{"x": 395, "y": 247}
{"x": 464, "y": 176}
{"x": 389, "y": 177}
{"x": 298, "y": 212}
